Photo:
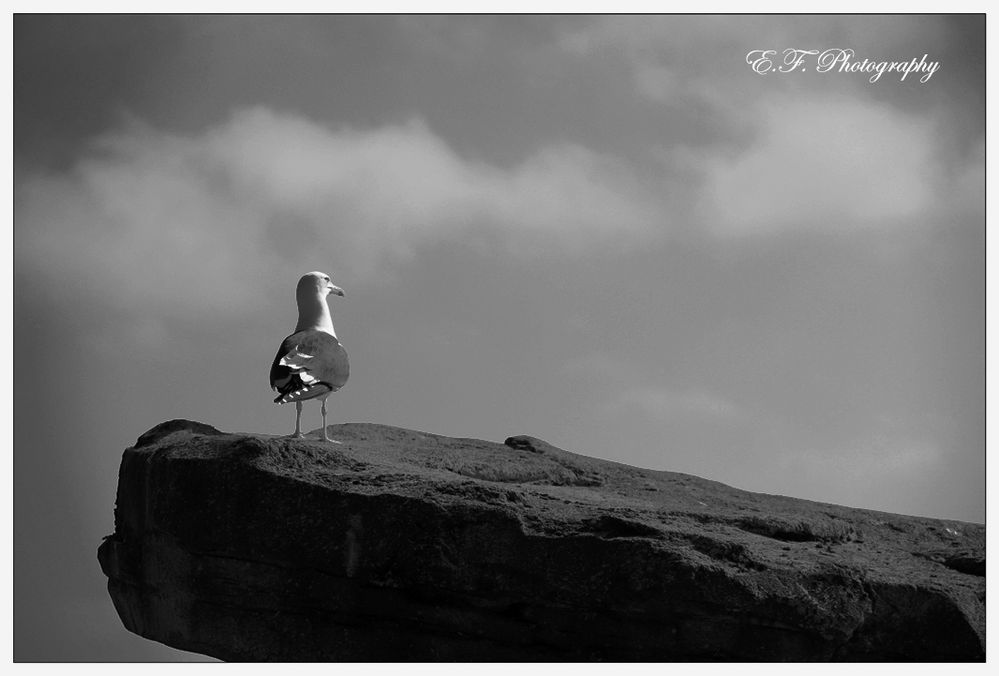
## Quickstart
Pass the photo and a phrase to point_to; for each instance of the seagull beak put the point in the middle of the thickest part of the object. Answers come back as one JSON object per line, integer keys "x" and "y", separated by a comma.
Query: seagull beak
{"x": 336, "y": 290}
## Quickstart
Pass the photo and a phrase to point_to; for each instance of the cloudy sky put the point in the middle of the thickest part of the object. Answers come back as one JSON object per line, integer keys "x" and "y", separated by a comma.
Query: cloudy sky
{"x": 607, "y": 232}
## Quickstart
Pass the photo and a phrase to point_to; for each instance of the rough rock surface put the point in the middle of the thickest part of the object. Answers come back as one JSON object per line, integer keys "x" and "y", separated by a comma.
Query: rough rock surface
{"x": 398, "y": 545}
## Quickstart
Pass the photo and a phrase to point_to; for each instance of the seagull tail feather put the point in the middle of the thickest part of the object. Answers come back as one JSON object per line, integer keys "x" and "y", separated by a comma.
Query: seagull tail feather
{"x": 310, "y": 391}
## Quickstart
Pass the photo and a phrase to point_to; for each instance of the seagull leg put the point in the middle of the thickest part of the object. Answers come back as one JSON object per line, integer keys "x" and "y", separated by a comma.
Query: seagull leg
{"x": 298, "y": 420}
{"x": 326, "y": 436}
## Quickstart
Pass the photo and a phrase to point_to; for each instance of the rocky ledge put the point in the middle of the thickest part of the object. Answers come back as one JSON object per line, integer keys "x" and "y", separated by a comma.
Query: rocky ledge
{"x": 397, "y": 545}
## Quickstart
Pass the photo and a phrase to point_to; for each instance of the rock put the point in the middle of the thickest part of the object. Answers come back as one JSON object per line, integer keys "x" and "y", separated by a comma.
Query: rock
{"x": 398, "y": 545}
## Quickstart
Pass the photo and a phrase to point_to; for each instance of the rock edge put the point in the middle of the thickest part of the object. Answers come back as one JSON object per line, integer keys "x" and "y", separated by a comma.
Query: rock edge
{"x": 398, "y": 545}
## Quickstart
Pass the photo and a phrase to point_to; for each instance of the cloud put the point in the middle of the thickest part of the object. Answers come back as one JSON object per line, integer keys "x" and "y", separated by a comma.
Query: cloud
{"x": 875, "y": 460}
{"x": 830, "y": 163}
{"x": 663, "y": 403}
{"x": 682, "y": 60}
{"x": 806, "y": 151}
{"x": 196, "y": 221}
{"x": 622, "y": 387}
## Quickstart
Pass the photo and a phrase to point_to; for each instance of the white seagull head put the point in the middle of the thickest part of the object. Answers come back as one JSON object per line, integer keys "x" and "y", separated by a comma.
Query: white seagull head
{"x": 317, "y": 283}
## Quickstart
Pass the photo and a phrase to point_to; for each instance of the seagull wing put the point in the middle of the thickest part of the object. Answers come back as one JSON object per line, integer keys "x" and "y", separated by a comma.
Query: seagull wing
{"x": 308, "y": 364}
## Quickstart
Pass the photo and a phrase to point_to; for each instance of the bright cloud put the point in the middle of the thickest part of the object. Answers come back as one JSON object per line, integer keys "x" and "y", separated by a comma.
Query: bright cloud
{"x": 832, "y": 164}
{"x": 160, "y": 218}
{"x": 792, "y": 152}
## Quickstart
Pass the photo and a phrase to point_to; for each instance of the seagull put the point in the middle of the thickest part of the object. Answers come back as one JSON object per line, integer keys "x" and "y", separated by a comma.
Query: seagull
{"x": 311, "y": 363}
